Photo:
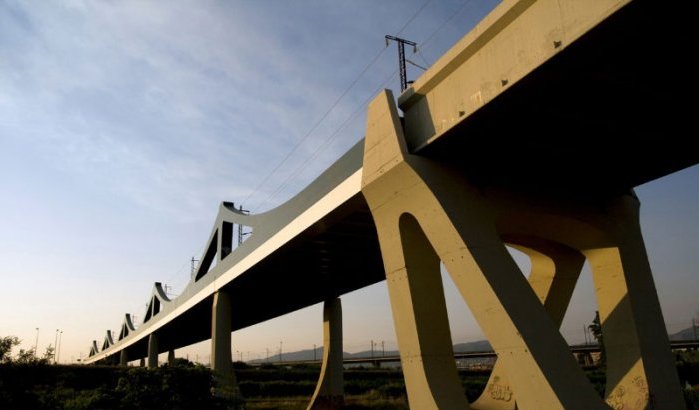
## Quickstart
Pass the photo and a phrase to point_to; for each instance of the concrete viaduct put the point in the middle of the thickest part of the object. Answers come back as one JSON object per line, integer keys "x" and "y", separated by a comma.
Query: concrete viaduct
{"x": 532, "y": 131}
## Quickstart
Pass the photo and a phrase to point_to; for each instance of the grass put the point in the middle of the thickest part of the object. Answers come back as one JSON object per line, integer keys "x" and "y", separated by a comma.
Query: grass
{"x": 372, "y": 400}
{"x": 40, "y": 387}
{"x": 365, "y": 388}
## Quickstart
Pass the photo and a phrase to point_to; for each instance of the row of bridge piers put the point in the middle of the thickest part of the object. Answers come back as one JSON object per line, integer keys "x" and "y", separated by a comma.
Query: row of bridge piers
{"x": 329, "y": 392}
{"x": 426, "y": 214}
{"x": 152, "y": 355}
{"x": 531, "y": 132}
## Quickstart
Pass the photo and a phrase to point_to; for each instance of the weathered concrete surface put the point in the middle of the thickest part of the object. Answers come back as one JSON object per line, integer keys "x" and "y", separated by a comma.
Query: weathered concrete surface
{"x": 554, "y": 273}
{"x": 425, "y": 212}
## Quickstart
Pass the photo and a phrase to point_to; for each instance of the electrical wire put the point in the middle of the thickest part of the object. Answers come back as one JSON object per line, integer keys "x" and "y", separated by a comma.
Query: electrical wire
{"x": 315, "y": 126}
{"x": 304, "y": 165}
{"x": 348, "y": 121}
{"x": 332, "y": 107}
{"x": 427, "y": 41}
{"x": 416, "y": 64}
{"x": 414, "y": 16}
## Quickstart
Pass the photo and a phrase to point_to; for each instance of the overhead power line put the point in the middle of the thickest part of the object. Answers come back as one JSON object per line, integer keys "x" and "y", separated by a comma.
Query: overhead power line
{"x": 314, "y": 127}
{"x": 425, "y": 43}
{"x": 354, "y": 115}
{"x": 416, "y": 64}
{"x": 332, "y": 107}
{"x": 304, "y": 165}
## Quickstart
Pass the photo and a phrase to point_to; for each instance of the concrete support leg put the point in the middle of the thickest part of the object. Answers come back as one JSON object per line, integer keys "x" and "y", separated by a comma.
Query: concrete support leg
{"x": 221, "y": 359}
{"x": 329, "y": 393}
{"x": 142, "y": 362}
{"x": 153, "y": 351}
{"x": 123, "y": 358}
{"x": 555, "y": 270}
{"x": 640, "y": 367}
{"x": 171, "y": 357}
{"x": 421, "y": 209}
{"x": 420, "y": 317}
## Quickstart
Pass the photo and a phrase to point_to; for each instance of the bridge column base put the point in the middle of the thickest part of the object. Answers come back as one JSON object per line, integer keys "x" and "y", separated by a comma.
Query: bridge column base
{"x": 221, "y": 358}
{"x": 153, "y": 351}
{"x": 329, "y": 393}
{"x": 641, "y": 372}
{"x": 123, "y": 358}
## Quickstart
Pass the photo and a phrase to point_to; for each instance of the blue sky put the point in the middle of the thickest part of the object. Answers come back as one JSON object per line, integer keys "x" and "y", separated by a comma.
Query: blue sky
{"x": 124, "y": 124}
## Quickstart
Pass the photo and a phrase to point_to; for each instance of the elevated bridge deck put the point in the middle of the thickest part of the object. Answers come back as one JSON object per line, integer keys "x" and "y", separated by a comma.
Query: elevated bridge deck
{"x": 564, "y": 121}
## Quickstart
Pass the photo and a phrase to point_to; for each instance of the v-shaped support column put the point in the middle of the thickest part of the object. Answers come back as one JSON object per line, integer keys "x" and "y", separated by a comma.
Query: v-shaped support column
{"x": 415, "y": 201}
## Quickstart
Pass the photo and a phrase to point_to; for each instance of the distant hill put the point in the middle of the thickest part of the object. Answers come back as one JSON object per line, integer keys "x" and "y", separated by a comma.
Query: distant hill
{"x": 367, "y": 353}
{"x": 686, "y": 334}
{"x": 303, "y": 355}
{"x": 478, "y": 346}
{"x": 297, "y": 356}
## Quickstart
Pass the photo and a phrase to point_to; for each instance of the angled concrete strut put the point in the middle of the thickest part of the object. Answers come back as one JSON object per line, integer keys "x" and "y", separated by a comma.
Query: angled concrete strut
{"x": 157, "y": 299}
{"x": 108, "y": 340}
{"x": 426, "y": 212}
{"x": 554, "y": 273}
{"x": 126, "y": 327}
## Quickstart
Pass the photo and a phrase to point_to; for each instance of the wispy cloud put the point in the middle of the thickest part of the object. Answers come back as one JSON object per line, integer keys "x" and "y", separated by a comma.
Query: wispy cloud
{"x": 123, "y": 124}
{"x": 187, "y": 101}
{"x": 154, "y": 100}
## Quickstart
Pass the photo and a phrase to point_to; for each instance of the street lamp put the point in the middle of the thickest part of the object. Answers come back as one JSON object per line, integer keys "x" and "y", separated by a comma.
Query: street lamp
{"x": 58, "y": 353}
{"x": 55, "y": 343}
{"x": 36, "y": 343}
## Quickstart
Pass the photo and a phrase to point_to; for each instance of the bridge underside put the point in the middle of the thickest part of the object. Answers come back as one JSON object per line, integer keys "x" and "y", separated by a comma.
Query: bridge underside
{"x": 568, "y": 126}
{"x": 335, "y": 256}
{"x": 606, "y": 113}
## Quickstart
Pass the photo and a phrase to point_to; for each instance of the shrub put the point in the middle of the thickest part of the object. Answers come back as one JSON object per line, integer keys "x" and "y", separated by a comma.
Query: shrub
{"x": 39, "y": 387}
